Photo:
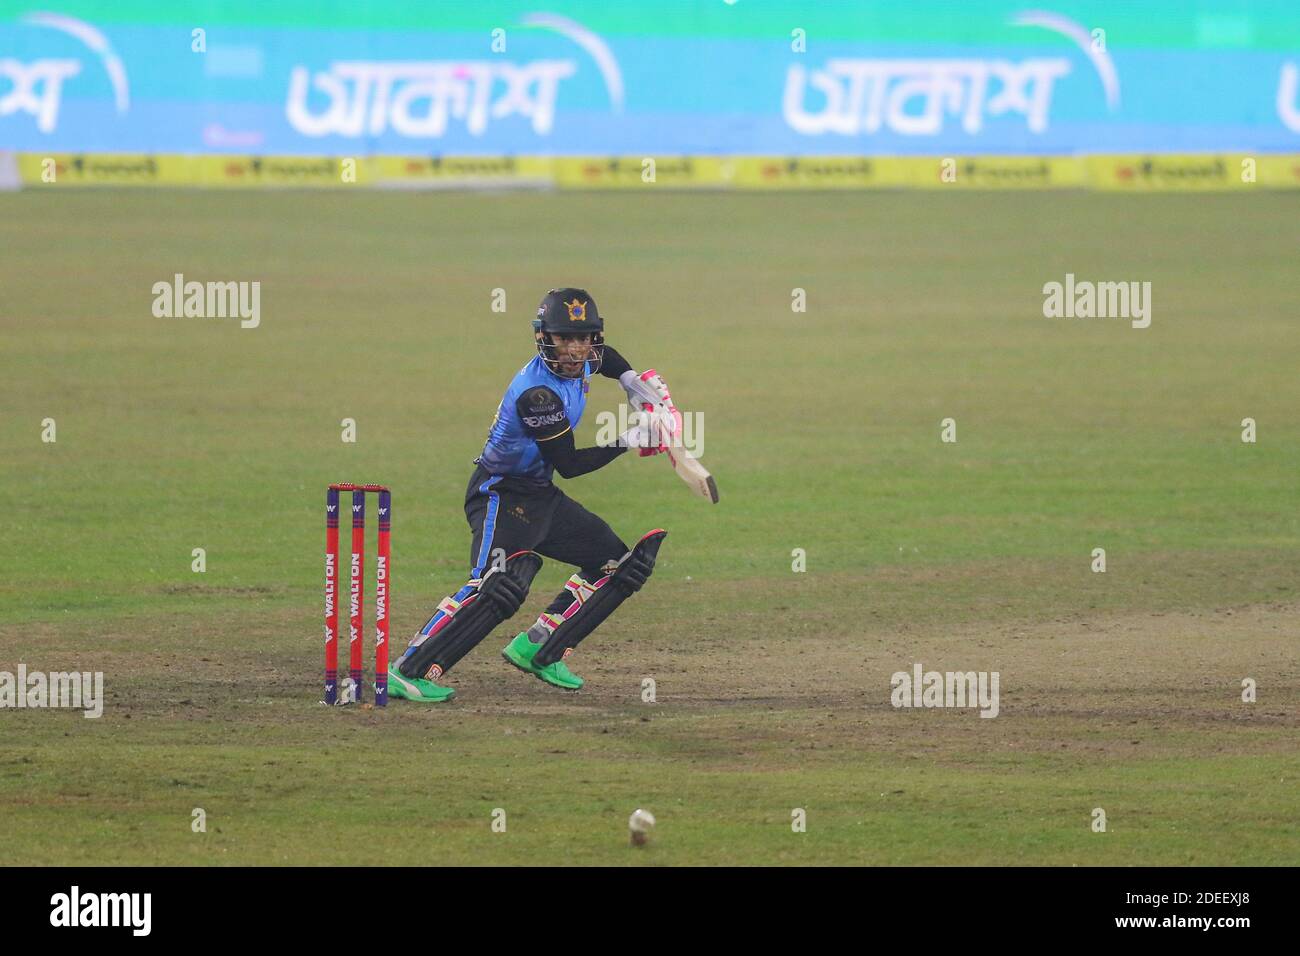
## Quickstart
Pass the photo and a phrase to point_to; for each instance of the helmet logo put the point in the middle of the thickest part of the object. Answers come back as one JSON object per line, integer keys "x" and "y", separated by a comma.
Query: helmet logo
{"x": 577, "y": 310}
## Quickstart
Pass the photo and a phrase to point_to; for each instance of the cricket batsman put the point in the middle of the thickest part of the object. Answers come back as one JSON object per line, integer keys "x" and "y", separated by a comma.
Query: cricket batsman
{"x": 517, "y": 515}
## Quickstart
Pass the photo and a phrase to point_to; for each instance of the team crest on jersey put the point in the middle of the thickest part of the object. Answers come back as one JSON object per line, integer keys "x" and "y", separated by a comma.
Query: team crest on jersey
{"x": 577, "y": 310}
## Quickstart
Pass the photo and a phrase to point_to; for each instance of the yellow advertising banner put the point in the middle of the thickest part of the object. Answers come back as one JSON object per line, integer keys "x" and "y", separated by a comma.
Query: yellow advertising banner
{"x": 1279, "y": 171}
{"x": 1135, "y": 172}
{"x": 294, "y": 171}
{"x": 621, "y": 172}
{"x": 104, "y": 169}
{"x": 468, "y": 172}
{"x": 997, "y": 172}
{"x": 819, "y": 172}
{"x": 1171, "y": 172}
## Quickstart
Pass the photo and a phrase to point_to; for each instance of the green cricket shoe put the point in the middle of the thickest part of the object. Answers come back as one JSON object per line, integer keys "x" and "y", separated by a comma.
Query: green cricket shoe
{"x": 416, "y": 688}
{"x": 521, "y": 652}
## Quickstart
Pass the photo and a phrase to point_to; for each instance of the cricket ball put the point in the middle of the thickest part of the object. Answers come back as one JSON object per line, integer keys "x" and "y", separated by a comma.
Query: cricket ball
{"x": 640, "y": 825}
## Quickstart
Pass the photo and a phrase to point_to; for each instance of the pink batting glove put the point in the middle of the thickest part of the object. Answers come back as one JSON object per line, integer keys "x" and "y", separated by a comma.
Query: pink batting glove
{"x": 657, "y": 383}
{"x": 674, "y": 438}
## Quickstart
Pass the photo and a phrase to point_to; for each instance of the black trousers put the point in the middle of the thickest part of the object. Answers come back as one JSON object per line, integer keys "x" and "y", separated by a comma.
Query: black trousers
{"x": 508, "y": 514}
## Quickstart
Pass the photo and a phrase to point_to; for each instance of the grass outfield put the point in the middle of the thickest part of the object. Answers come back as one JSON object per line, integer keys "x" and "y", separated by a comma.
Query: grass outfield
{"x": 1118, "y": 690}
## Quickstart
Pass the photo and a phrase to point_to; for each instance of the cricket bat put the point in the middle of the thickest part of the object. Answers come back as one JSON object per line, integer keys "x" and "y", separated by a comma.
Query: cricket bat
{"x": 686, "y": 465}
{"x": 692, "y": 472}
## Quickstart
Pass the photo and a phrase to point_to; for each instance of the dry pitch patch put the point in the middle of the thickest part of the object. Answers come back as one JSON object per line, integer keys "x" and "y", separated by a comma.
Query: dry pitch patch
{"x": 1137, "y": 713}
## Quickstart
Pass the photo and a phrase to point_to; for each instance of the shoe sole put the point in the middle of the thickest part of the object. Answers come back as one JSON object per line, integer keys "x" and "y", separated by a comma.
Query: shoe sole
{"x": 529, "y": 670}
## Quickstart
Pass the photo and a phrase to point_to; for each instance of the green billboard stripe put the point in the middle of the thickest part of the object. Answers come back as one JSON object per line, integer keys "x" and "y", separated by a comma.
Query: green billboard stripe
{"x": 1174, "y": 24}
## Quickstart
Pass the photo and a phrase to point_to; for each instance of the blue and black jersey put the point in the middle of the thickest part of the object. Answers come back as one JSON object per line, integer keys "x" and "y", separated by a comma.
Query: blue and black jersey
{"x": 532, "y": 434}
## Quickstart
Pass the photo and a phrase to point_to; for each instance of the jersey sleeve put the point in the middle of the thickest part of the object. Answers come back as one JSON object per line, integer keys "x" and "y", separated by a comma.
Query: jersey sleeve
{"x": 571, "y": 461}
{"x": 613, "y": 364}
{"x": 542, "y": 413}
